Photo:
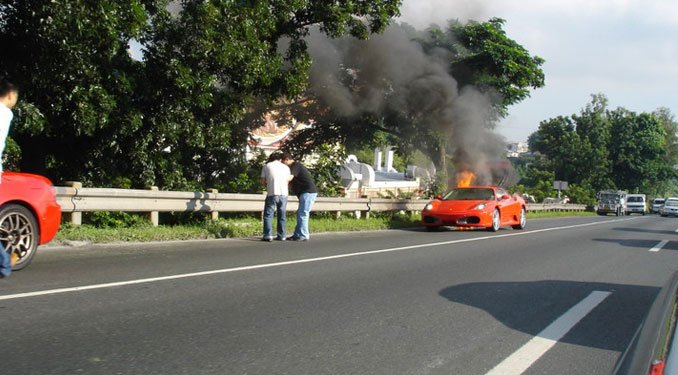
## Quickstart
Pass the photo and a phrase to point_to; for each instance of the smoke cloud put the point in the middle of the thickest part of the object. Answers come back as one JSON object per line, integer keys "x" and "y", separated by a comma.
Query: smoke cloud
{"x": 391, "y": 72}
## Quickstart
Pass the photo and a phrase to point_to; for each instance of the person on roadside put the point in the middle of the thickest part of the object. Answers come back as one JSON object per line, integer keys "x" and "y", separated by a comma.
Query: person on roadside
{"x": 275, "y": 176}
{"x": 304, "y": 188}
{"x": 9, "y": 95}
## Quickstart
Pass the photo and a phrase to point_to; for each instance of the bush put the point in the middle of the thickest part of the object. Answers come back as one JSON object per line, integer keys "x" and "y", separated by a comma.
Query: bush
{"x": 105, "y": 219}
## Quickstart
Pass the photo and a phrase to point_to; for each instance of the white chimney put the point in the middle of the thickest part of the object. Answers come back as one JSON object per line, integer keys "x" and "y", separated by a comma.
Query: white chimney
{"x": 389, "y": 160}
{"x": 377, "y": 159}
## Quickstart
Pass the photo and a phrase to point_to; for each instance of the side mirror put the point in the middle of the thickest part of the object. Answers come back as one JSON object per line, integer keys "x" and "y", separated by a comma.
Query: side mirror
{"x": 439, "y": 197}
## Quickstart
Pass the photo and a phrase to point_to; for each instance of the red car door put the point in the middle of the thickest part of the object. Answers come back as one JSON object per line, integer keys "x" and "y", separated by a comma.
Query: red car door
{"x": 509, "y": 206}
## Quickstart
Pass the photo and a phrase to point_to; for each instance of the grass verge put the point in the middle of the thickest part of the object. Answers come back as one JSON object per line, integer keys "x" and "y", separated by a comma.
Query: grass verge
{"x": 245, "y": 227}
{"x": 545, "y": 214}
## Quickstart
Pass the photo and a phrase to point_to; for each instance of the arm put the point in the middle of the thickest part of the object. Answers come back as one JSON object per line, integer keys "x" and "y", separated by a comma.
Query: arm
{"x": 262, "y": 177}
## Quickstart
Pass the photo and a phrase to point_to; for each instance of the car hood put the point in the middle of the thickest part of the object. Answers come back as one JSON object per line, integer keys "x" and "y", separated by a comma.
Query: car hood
{"x": 460, "y": 205}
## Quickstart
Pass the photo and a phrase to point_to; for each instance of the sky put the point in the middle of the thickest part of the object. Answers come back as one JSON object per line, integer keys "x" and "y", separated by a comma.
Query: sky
{"x": 624, "y": 49}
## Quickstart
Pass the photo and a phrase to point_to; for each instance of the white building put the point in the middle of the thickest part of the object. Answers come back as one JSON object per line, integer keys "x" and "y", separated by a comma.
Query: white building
{"x": 514, "y": 149}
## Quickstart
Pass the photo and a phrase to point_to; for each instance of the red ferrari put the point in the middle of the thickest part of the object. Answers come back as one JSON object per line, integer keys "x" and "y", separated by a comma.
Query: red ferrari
{"x": 489, "y": 207}
{"x": 29, "y": 215}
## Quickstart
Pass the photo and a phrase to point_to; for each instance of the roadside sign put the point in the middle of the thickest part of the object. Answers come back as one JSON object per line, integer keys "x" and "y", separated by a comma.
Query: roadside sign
{"x": 560, "y": 185}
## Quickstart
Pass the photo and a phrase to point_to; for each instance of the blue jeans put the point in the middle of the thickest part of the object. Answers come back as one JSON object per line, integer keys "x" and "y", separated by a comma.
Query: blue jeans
{"x": 275, "y": 204}
{"x": 305, "y": 203}
{"x": 5, "y": 265}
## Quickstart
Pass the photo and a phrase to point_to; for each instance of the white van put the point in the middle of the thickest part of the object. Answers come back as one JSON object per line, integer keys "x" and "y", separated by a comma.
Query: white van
{"x": 636, "y": 204}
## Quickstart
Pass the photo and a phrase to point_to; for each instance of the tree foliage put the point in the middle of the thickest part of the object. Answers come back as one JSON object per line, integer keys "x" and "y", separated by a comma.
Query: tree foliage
{"x": 485, "y": 57}
{"x": 92, "y": 113}
{"x": 608, "y": 149}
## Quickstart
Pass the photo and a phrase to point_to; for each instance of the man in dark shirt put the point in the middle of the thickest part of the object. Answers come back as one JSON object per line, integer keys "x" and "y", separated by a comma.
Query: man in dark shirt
{"x": 304, "y": 188}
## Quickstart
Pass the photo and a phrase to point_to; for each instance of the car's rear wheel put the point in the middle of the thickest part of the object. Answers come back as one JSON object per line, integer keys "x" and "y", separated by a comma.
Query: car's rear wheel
{"x": 522, "y": 220}
{"x": 18, "y": 234}
{"x": 496, "y": 221}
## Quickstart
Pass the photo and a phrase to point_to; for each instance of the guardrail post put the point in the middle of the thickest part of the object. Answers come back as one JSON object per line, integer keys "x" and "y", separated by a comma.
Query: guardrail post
{"x": 358, "y": 214}
{"x": 75, "y": 217}
{"x": 153, "y": 215}
{"x": 214, "y": 215}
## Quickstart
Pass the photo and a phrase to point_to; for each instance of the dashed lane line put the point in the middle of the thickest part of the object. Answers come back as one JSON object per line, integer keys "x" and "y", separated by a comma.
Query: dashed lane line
{"x": 659, "y": 246}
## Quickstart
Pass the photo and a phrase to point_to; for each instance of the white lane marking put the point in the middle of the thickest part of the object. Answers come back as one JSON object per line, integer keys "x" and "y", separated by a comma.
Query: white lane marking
{"x": 529, "y": 353}
{"x": 286, "y": 263}
{"x": 676, "y": 230}
{"x": 659, "y": 246}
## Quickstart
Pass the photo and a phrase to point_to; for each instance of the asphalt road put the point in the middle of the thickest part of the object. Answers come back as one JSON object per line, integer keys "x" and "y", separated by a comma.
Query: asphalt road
{"x": 564, "y": 296}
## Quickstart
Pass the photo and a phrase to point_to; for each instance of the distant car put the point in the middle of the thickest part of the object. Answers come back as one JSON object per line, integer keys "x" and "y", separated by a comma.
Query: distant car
{"x": 657, "y": 203}
{"x": 29, "y": 215}
{"x": 488, "y": 207}
{"x": 670, "y": 207}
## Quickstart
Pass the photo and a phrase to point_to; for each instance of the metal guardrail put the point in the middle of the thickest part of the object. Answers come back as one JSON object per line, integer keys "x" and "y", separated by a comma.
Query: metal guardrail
{"x": 74, "y": 200}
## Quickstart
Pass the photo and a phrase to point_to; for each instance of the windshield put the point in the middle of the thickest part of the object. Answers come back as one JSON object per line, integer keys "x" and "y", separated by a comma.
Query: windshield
{"x": 658, "y": 201}
{"x": 609, "y": 198}
{"x": 636, "y": 199}
{"x": 672, "y": 203}
{"x": 470, "y": 194}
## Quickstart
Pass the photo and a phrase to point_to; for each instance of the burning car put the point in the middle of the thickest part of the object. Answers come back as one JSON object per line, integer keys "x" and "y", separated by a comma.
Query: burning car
{"x": 489, "y": 207}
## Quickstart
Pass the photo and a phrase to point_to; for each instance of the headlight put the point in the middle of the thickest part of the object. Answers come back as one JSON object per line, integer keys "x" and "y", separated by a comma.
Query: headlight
{"x": 428, "y": 207}
{"x": 480, "y": 206}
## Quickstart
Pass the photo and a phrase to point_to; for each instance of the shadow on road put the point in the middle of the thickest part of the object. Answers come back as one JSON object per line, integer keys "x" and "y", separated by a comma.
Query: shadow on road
{"x": 530, "y": 307}
{"x": 643, "y": 230}
{"x": 642, "y": 244}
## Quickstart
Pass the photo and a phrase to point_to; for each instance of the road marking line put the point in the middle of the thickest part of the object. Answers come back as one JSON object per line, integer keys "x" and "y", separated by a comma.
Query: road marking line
{"x": 291, "y": 262}
{"x": 676, "y": 230}
{"x": 529, "y": 353}
{"x": 659, "y": 246}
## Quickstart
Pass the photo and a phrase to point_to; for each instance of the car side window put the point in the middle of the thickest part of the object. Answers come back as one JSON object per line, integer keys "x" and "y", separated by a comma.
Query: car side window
{"x": 500, "y": 193}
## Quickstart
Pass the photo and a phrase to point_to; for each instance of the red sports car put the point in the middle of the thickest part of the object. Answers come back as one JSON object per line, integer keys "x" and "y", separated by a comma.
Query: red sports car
{"x": 29, "y": 215}
{"x": 487, "y": 207}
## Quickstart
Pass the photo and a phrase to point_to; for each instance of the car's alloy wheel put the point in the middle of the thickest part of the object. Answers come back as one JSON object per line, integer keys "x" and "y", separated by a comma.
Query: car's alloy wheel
{"x": 522, "y": 220}
{"x": 496, "y": 221}
{"x": 18, "y": 234}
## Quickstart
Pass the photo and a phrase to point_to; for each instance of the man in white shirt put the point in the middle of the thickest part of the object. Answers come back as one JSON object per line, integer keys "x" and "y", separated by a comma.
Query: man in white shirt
{"x": 9, "y": 94}
{"x": 275, "y": 176}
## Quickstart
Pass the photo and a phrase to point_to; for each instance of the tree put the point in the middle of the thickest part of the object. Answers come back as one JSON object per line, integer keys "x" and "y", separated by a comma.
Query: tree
{"x": 670, "y": 125}
{"x": 94, "y": 114}
{"x": 485, "y": 57}
{"x": 558, "y": 140}
{"x": 593, "y": 127}
{"x": 77, "y": 81}
{"x": 604, "y": 149}
{"x": 637, "y": 150}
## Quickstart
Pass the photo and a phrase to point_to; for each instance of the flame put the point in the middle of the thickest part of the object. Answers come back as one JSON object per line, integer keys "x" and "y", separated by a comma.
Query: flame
{"x": 465, "y": 178}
